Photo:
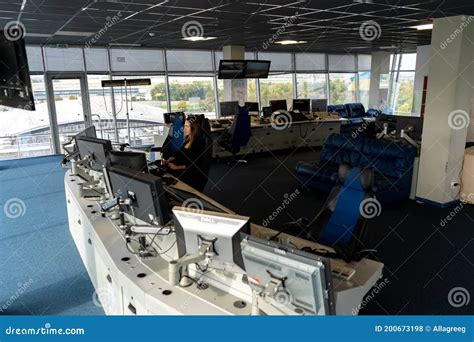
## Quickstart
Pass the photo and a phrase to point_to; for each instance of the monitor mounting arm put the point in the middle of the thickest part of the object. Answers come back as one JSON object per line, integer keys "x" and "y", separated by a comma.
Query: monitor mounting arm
{"x": 175, "y": 276}
{"x": 404, "y": 135}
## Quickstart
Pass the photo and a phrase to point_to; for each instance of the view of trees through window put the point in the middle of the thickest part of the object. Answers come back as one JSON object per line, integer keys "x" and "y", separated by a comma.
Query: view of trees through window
{"x": 311, "y": 86}
{"x": 276, "y": 87}
{"x": 402, "y": 69}
{"x": 189, "y": 94}
{"x": 341, "y": 88}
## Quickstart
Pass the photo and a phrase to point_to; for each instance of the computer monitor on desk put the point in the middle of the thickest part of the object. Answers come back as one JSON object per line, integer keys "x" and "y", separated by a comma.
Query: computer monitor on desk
{"x": 266, "y": 112}
{"x": 210, "y": 237}
{"x": 252, "y": 106}
{"x": 94, "y": 151}
{"x": 290, "y": 281}
{"x": 229, "y": 108}
{"x": 277, "y": 105}
{"x": 142, "y": 195}
{"x": 302, "y": 105}
{"x": 320, "y": 105}
{"x": 132, "y": 160}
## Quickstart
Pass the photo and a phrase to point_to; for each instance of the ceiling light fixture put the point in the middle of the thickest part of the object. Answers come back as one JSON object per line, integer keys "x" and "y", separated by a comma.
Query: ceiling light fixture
{"x": 423, "y": 27}
{"x": 291, "y": 42}
{"x": 74, "y": 33}
{"x": 124, "y": 44}
{"x": 198, "y": 38}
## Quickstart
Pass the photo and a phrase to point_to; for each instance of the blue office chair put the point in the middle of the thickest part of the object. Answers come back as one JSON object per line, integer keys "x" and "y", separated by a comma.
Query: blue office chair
{"x": 341, "y": 223}
{"x": 175, "y": 138}
{"x": 238, "y": 135}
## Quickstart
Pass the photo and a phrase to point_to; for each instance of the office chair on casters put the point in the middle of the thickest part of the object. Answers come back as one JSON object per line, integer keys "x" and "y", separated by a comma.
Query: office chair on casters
{"x": 238, "y": 135}
{"x": 175, "y": 138}
{"x": 342, "y": 222}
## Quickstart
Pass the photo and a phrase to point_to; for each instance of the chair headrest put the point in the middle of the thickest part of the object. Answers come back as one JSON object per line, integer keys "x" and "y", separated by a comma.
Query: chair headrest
{"x": 355, "y": 178}
{"x": 344, "y": 169}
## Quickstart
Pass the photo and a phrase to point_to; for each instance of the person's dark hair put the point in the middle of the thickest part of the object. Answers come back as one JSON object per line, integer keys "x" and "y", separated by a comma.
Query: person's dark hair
{"x": 195, "y": 130}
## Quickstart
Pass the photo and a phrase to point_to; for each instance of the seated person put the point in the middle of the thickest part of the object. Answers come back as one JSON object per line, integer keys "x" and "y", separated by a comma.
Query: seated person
{"x": 184, "y": 163}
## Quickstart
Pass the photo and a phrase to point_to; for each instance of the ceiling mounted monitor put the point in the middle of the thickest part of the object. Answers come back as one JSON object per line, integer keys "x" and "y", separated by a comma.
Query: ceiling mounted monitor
{"x": 15, "y": 83}
{"x": 235, "y": 69}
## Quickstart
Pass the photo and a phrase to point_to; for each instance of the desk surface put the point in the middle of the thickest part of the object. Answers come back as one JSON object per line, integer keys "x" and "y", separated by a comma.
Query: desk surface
{"x": 256, "y": 122}
{"x": 201, "y": 302}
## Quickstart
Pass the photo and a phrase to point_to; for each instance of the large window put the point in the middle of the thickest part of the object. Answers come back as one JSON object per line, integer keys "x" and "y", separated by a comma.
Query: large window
{"x": 364, "y": 88}
{"x": 402, "y": 77}
{"x": 402, "y": 92}
{"x": 145, "y": 106}
{"x": 101, "y": 106}
{"x": 311, "y": 86}
{"x": 25, "y": 133}
{"x": 191, "y": 83}
{"x": 193, "y": 94}
{"x": 276, "y": 87}
{"x": 251, "y": 90}
{"x": 342, "y": 88}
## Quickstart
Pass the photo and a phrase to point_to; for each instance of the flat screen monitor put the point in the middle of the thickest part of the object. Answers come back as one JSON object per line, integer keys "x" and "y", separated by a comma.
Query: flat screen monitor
{"x": 413, "y": 126}
{"x": 234, "y": 69}
{"x": 88, "y": 132}
{"x": 132, "y": 160}
{"x": 229, "y": 108}
{"x": 193, "y": 226}
{"x": 231, "y": 69}
{"x": 319, "y": 105}
{"x": 305, "y": 278}
{"x": 303, "y": 105}
{"x": 266, "y": 112}
{"x": 96, "y": 149}
{"x": 144, "y": 192}
{"x": 252, "y": 106}
{"x": 15, "y": 83}
{"x": 257, "y": 69}
{"x": 277, "y": 105}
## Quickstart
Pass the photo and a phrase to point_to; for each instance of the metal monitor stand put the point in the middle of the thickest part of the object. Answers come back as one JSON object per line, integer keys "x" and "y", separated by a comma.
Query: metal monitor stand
{"x": 175, "y": 275}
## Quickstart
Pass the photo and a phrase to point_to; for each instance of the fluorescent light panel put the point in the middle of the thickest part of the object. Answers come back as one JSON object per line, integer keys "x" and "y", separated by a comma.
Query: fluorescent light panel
{"x": 423, "y": 27}
{"x": 198, "y": 39}
{"x": 291, "y": 42}
{"x": 74, "y": 33}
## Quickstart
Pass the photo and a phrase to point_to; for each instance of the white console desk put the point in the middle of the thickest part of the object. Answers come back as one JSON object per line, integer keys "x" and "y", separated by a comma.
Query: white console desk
{"x": 129, "y": 285}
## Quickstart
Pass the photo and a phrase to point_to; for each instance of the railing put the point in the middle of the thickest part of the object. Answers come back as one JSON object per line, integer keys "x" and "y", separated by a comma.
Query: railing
{"x": 21, "y": 146}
